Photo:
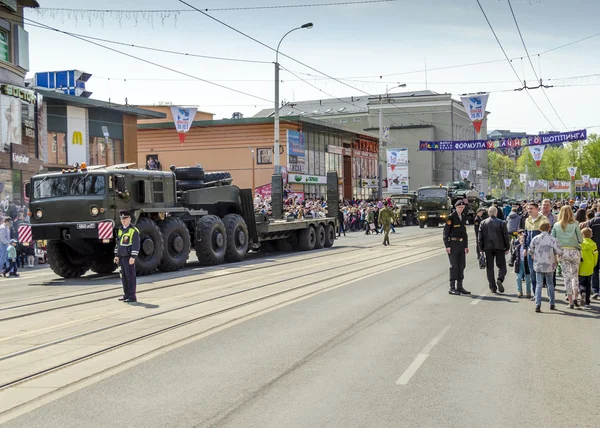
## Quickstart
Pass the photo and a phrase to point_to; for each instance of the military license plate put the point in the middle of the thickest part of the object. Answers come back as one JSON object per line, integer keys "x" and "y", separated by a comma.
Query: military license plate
{"x": 86, "y": 226}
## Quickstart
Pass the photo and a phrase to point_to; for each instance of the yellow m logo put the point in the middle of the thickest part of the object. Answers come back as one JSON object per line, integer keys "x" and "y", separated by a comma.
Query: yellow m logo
{"x": 77, "y": 138}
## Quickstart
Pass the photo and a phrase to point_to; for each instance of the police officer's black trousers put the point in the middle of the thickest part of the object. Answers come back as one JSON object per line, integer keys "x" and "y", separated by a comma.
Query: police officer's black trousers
{"x": 128, "y": 277}
{"x": 458, "y": 261}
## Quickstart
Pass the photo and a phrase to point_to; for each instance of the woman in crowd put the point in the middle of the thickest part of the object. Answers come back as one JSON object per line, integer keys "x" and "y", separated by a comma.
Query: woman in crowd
{"x": 567, "y": 233}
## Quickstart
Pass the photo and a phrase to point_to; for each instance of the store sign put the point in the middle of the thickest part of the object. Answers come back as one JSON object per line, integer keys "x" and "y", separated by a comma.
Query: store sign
{"x": 21, "y": 93}
{"x": 308, "y": 179}
{"x": 10, "y": 4}
{"x": 19, "y": 156}
{"x": 337, "y": 150}
{"x": 365, "y": 155}
{"x": 29, "y": 129}
{"x": 370, "y": 183}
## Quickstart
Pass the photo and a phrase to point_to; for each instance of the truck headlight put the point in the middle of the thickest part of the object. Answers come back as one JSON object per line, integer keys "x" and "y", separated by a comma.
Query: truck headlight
{"x": 420, "y": 208}
{"x": 443, "y": 207}
{"x": 39, "y": 214}
{"x": 94, "y": 211}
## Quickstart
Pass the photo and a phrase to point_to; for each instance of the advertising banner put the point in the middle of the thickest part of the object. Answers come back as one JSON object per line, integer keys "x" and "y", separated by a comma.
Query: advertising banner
{"x": 307, "y": 179}
{"x": 183, "y": 118}
{"x": 370, "y": 183}
{"x": 504, "y": 143}
{"x": 540, "y": 186}
{"x": 297, "y": 197}
{"x": 264, "y": 191}
{"x": 398, "y": 179}
{"x": 397, "y": 156}
{"x": 559, "y": 187}
{"x": 581, "y": 186}
{"x": 296, "y": 153}
{"x": 538, "y": 153}
{"x": 475, "y": 106}
{"x": 522, "y": 178}
{"x": 77, "y": 137}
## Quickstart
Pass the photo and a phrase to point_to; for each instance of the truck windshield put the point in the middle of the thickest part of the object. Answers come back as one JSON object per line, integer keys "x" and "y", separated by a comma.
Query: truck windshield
{"x": 74, "y": 185}
{"x": 401, "y": 201}
{"x": 432, "y": 193}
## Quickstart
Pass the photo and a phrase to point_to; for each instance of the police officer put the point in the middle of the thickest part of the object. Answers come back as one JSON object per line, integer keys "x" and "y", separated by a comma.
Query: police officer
{"x": 126, "y": 250}
{"x": 457, "y": 247}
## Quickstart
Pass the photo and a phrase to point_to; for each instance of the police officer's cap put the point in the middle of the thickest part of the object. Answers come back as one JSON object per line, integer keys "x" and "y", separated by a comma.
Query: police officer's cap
{"x": 124, "y": 213}
{"x": 459, "y": 203}
{"x": 480, "y": 210}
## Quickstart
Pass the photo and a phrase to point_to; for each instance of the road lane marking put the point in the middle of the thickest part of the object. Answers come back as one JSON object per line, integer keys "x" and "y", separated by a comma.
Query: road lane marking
{"x": 420, "y": 359}
{"x": 479, "y": 299}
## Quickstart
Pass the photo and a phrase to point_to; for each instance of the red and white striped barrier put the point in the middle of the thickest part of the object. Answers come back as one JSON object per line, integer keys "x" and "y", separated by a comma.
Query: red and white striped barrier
{"x": 25, "y": 234}
{"x": 105, "y": 230}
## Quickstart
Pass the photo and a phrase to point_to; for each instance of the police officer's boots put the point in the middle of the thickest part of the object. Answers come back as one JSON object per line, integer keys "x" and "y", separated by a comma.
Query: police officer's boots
{"x": 453, "y": 289}
{"x": 461, "y": 290}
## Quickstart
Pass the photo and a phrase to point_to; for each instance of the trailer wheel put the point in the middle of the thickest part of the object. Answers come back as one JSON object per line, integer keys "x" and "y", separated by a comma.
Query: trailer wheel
{"x": 103, "y": 262}
{"x": 189, "y": 173}
{"x": 329, "y": 235}
{"x": 63, "y": 260}
{"x": 177, "y": 244}
{"x": 211, "y": 241}
{"x": 307, "y": 239}
{"x": 237, "y": 238}
{"x": 151, "y": 247}
{"x": 320, "y": 238}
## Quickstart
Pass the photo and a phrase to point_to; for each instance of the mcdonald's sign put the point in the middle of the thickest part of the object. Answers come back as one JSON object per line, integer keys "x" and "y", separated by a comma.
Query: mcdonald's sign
{"x": 77, "y": 138}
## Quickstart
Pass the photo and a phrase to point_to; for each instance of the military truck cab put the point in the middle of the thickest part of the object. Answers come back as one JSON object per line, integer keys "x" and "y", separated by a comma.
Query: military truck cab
{"x": 433, "y": 205}
{"x": 408, "y": 203}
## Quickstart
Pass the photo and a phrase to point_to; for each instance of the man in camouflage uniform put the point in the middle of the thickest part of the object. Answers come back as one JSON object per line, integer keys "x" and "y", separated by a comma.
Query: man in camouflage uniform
{"x": 386, "y": 218}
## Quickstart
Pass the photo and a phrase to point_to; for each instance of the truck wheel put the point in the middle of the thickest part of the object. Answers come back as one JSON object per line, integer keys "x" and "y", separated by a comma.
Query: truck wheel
{"x": 329, "y": 235}
{"x": 64, "y": 261}
{"x": 421, "y": 224}
{"x": 189, "y": 173}
{"x": 216, "y": 176}
{"x": 237, "y": 238}
{"x": 307, "y": 239}
{"x": 177, "y": 244}
{"x": 320, "y": 238}
{"x": 211, "y": 241}
{"x": 151, "y": 247}
{"x": 103, "y": 263}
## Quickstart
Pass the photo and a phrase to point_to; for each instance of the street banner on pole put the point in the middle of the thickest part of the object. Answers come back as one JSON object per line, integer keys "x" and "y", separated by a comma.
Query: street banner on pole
{"x": 538, "y": 153}
{"x": 507, "y": 182}
{"x": 464, "y": 173}
{"x": 532, "y": 183}
{"x": 475, "y": 106}
{"x": 522, "y": 178}
{"x": 559, "y": 187}
{"x": 572, "y": 171}
{"x": 183, "y": 117}
{"x": 585, "y": 178}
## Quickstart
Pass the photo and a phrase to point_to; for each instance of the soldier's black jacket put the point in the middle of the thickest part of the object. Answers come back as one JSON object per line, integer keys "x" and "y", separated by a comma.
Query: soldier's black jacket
{"x": 455, "y": 228}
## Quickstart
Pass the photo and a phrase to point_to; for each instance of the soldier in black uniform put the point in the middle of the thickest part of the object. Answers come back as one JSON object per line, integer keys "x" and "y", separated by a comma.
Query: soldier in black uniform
{"x": 126, "y": 250}
{"x": 457, "y": 247}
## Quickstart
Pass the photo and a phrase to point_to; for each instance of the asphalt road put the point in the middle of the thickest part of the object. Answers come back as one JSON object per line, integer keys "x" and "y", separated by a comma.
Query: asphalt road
{"x": 392, "y": 350}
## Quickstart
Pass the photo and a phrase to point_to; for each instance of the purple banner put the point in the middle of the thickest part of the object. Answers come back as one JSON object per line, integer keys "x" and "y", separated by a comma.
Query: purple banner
{"x": 505, "y": 143}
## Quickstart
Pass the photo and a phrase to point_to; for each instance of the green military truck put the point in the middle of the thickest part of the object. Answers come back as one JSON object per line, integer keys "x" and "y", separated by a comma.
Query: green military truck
{"x": 465, "y": 191}
{"x": 408, "y": 203}
{"x": 433, "y": 205}
{"x": 76, "y": 212}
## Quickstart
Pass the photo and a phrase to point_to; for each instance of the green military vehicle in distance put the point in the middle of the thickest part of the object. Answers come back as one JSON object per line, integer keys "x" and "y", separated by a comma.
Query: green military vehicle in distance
{"x": 466, "y": 191}
{"x": 408, "y": 203}
{"x": 433, "y": 205}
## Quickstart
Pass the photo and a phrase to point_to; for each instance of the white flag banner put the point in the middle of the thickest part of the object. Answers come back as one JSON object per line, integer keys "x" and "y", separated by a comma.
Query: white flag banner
{"x": 183, "y": 118}
{"x": 475, "y": 106}
{"x": 585, "y": 178}
{"x": 537, "y": 152}
{"x": 594, "y": 181}
{"x": 522, "y": 178}
{"x": 507, "y": 182}
{"x": 572, "y": 171}
{"x": 556, "y": 182}
{"x": 532, "y": 183}
{"x": 464, "y": 173}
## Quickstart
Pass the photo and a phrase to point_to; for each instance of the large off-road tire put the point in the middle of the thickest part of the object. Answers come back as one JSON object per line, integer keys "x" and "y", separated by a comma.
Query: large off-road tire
{"x": 321, "y": 235}
{"x": 329, "y": 235}
{"x": 189, "y": 173}
{"x": 307, "y": 239}
{"x": 237, "y": 238}
{"x": 189, "y": 185}
{"x": 103, "y": 262}
{"x": 64, "y": 261}
{"x": 211, "y": 241}
{"x": 177, "y": 244}
{"x": 151, "y": 247}
{"x": 216, "y": 176}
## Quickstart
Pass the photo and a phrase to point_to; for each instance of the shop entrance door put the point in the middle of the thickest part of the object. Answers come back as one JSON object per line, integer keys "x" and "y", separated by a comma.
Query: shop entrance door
{"x": 347, "y": 177}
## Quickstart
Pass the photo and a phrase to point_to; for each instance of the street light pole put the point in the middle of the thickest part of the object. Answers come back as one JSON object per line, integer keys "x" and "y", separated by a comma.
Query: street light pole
{"x": 276, "y": 160}
{"x": 379, "y": 154}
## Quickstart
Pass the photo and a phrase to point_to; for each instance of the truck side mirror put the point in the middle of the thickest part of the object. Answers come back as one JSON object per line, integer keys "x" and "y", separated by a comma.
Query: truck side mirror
{"x": 120, "y": 186}
{"x": 28, "y": 190}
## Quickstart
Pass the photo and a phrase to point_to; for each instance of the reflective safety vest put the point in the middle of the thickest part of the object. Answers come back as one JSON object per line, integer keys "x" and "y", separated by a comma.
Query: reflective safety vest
{"x": 128, "y": 242}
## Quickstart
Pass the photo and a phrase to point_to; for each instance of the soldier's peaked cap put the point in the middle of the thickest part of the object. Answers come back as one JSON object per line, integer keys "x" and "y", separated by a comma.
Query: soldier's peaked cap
{"x": 459, "y": 203}
{"x": 124, "y": 213}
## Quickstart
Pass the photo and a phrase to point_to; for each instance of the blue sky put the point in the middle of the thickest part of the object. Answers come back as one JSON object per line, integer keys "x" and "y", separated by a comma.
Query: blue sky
{"x": 359, "y": 42}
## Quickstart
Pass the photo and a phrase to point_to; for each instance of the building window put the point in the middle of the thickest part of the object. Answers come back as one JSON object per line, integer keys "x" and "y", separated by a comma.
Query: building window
{"x": 58, "y": 154}
{"x": 4, "y": 46}
{"x": 356, "y": 119}
{"x": 104, "y": 152}
{"x": 343, "y": 120}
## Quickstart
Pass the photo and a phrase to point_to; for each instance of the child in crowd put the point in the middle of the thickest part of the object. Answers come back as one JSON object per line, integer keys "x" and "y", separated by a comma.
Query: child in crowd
{"x": 544, "y": 250}
{"x": 589, "y": 258}
{"x": 11, "y": 259}
{"x": 519, "y": 261}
